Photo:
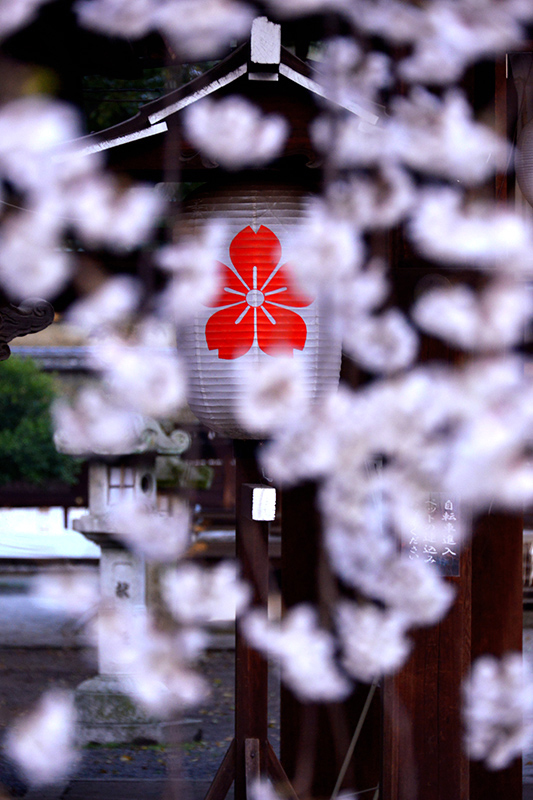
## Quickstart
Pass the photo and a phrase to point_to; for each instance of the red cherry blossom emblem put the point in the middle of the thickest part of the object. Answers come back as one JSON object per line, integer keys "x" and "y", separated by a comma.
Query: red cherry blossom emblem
{"x": 255, "y": 300}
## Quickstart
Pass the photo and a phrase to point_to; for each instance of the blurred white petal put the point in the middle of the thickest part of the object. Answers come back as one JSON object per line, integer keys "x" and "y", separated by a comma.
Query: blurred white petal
{"x": 490, "y": 319}
{"x": 155, "y": 666}
{"x": 16, "y": 13}
{"x": 156, "y": 536}
{"x": 200, "y": 29}
{"x": 234, "y": 132}
{"x": 109, "y": 305}
{"x": 373, "y": 641}
{"x": 32, "y": 261}
{"x": 384, "y": 343}
{"x": 42, "y": 742}
{"x": 374, "y": 203}
{"x": 192, "y": 263}
{"x": 32, "y": 130}
{"x": 130, "y": 18}
{"x": 146, "y": 380}
{"x": 94, "y": 424}
{"x": 105, "y": 216}
{"x": 440, "y": 136}
{"x": 324, "y": 249}
{"x": 196, "y": 595}
{"x": 273, "y": 396}
{"x": 482, "y": 235}
{"x": 498, "y": 709}
{"x": 304, "y": 651}
{"x": 411, "y": 587}
{"x": 76, "y": 592}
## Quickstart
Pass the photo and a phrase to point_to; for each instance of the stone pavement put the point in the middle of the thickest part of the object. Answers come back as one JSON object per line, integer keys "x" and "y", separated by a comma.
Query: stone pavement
{"x": 40, "y": 648}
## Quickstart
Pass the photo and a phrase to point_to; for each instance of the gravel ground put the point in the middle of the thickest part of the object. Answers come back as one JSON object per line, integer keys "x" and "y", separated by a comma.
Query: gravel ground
{"x": 25, "y": 673}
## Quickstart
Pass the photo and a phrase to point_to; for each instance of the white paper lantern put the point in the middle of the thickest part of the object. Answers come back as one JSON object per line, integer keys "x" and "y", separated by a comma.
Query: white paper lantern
{"x": 259, "y": 313}
{"x": 524, "y": 162}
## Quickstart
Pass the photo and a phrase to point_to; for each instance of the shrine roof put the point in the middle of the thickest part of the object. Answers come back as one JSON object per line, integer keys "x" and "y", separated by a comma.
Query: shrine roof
{"x": 262, "y": 59}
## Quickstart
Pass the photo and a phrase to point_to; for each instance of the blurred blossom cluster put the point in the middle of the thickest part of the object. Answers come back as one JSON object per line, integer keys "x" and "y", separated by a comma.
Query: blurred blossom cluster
{"x": 409, "y": 162}
{"x": 61, "y": 192}
{"x": 498, "y": 709}
{"x": 43, "y": 743}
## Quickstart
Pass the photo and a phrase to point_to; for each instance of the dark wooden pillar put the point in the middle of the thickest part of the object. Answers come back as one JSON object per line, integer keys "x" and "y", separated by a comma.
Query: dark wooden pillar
{"x": 251, "y": 669}
{"x": 497, "y": 625}
{"x": 315, "y": 737}
{"x": 423, "y": 758}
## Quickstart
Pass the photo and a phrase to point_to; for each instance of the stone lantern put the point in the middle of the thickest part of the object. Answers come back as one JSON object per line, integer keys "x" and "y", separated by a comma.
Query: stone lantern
{"x": 106, "y": 714}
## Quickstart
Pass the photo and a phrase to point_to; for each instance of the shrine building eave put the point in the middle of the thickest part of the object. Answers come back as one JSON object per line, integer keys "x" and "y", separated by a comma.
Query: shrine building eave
{"x": 279, "y": 77}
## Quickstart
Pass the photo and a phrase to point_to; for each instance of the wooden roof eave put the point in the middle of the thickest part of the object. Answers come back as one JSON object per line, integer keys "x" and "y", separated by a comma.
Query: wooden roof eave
{"x": 152, "y": 117}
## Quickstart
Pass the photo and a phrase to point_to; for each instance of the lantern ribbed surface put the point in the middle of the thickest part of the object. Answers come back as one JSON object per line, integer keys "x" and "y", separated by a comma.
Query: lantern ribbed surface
{"x": 524, "y": 162}
{"x": 259, "y": 312}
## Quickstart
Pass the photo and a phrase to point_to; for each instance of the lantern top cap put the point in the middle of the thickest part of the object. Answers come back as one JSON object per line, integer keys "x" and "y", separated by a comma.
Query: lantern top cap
{"x": 149, "y": 438}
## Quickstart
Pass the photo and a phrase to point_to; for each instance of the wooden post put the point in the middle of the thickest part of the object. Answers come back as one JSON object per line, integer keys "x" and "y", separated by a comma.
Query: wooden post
{"x": 250, "y": 755}
{"x": 423, "y": 758}
{"x": 251, "y": 671}
{"x": 316, "y": 737}
{"x": 497, "y": 625}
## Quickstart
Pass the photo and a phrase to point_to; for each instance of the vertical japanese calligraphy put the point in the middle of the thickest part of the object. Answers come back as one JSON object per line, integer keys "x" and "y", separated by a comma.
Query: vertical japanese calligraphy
{"x": 438, "y": 543}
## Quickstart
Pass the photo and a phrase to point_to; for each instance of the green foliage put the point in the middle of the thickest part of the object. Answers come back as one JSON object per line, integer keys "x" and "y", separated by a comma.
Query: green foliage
{"x": 27, "y": 450}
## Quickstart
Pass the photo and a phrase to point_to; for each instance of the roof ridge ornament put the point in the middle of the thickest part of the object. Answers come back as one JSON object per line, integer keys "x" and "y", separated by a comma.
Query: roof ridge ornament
{"x": 31, "y": 316}
{"x": 265, "y": 50}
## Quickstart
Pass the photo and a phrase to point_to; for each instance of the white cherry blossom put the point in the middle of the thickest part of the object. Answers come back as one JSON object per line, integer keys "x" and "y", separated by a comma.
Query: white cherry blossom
{"x": 200, "y": 29}
{"x": 234, "y": 132}
{"x": 274, "y": 395}
{"x": 76, "y": 592}
{"x": 192, "y": 265}
{"x": 32, "y": 131}
{"x": 455, "y": 35}
{"x": 154, "y": 535}
{"x": 94, "y": 424}
{"x": 324, "y": 249}
{"x": 304, "y": 651}
{"x": 131, "y": 18}
{"x": 490, "y": 319}
{"x": 32, "y": 261}
{"x": 373, "y": 641}
{"x": 110, "y": 304}
{"x": 106, "y": 216}
{"x": 442, "y": 138}
{"x": 380, "y": 202}
{"x": 412, "y": 587}
{"x": 147, "y": 380}
{"x": 16, "y": 13}
{"x": 42, "y": 743}
{"x": 498, "y": 709}
{"x": 197, "y": 595}
{"x": 382, "y": 343}
{"x": 394, "y": 20}
{"x": 479, "y": 234}
{"x": 197, "y": 29}
{"x": 297, "y": 8}
{"x": 351, "y": 77}
{"x": 352, "y": 142}
{"x": 155, "y": 666}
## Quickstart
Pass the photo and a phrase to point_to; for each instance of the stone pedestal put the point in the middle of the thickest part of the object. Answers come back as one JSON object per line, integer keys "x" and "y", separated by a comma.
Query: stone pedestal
{"x": 106, "y": 712}
{"x": 106, "y": 715}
